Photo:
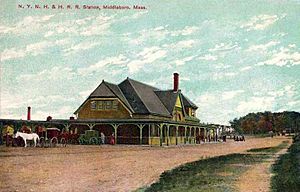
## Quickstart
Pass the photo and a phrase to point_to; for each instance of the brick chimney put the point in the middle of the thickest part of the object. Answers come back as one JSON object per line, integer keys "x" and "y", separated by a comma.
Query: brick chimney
{"x": 29, "y": 113}
{"x": 176, "y": 82}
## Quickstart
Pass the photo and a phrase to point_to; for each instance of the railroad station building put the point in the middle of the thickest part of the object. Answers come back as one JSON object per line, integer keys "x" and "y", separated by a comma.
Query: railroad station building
{"x": 136, "y": 113}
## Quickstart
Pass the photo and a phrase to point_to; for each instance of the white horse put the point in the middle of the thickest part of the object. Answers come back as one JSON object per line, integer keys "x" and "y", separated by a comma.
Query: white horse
{"x": 26, "y": 136}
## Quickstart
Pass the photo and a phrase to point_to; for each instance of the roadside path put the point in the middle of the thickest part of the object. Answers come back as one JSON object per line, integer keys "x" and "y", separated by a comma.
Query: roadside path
{"x": 258, "y": 177}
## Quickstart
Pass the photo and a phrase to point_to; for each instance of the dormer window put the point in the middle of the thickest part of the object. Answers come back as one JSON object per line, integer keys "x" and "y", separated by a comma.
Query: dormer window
{"x": 100, "y": 105}
{"x": 193, "y": 112}
{"x": 105, "y": 105}
{"x": 93, "y": 105}
{"x": 108, "y": 105}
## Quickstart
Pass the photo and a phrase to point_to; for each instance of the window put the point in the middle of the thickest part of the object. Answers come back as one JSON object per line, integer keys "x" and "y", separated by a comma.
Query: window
{"x": 115, "y": 105}
{"x": 100, "y": 105}
{"x": 178, "y": 117}
{"x": 93, "y": 105}
{"x": 105, "y": 105}
{"x": 193, "y": 113}
{"x": 108, "y": 105}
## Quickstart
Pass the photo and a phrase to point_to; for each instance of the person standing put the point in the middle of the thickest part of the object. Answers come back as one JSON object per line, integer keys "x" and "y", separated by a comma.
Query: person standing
{"x": 102, "y": 138}
{"x": 112, "y": 139}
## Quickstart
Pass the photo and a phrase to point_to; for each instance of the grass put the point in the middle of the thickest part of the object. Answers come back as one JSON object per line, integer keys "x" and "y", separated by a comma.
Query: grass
{"x": 274, "y": 150}
{"x": 213, "y": 174}
{"x": 287, "y": 170}
{"x": 217, "y": 174}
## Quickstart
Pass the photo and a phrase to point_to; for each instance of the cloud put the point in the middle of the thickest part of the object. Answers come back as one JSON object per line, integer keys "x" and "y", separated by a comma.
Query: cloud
{"x": 231, "y": 94}
{"x": 246, "y": 68}
{"x": 184, "y": 60}
{"x": 224, "y": 47}
{"x": 293, "y": 104}
{"x": 221, "y": 66}
{"x": 256, "y": 104}
{"x": 261, "y": 22}
{"x": 188, "y": 30}
{"x": 5, "y": 29}
{"x": 14, "y": 105}
{"x": 117, "y": 60}
{"x": 98, "y": 26}
{"x": 262, "y": 47}
{"x": 222, "y": 75}
{"x": 161, "y": 33}
{"x": 30, "y": 50}
{"x": 217, "y": 106}
{"x": 10, "y": 100}
{"x": 55, "y": 73}
{"x": 59, "y": 113}
{"x": 39, "y": 48}
{"x": 80, "y": 47}
{"x": 88, "y": 26}
{"x": 207, "y": 99}
{"x": 283, "y": 57}
{"x": 181, "y": 44}
{"x": 86, "y": 93}
{"x": 278, "y": 99}
{"x": 133, "y": 16}
{"x": 28, "y": 24}
{"x": 208, "y": 57}
{"x": 147, "y": 56}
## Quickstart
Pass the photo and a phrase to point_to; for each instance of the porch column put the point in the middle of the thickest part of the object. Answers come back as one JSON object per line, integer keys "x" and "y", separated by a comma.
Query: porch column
{"x": 160, "y": 133}
{"x": 176, "y": 134}
{"x": 184, "y": 134}
{"x": 67, "y": 126}
{"x": 168, "y": 134}
{"x": 149, "y": 134}
{"x": 205, "y": 134}
{"x": 91, "y": 126}
{"x": 195, "y": 134}
{"x": 115, "y": 126}
{"x": 190, "y": 135}
{"x": 141, "y": 126}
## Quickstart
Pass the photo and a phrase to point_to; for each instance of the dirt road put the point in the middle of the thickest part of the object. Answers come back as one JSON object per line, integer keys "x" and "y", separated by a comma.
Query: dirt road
{"x": 104, "y": 168}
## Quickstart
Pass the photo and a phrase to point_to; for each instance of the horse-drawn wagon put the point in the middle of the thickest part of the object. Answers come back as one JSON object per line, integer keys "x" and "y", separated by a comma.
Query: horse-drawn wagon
{"x": 50, "y": 137}
{"x": 89, "y": 137}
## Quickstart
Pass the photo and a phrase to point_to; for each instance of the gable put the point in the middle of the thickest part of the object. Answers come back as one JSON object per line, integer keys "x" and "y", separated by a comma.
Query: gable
{"x": 178, "y": 102}
{"x": 102, "y": 91}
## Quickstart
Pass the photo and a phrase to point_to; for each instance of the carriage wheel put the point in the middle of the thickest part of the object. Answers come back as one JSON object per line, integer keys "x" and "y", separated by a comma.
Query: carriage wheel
{"x": 63, "y": 142}
{"x": 82, "y": 141}
{"x": 53, "y": 142}
{"x": 42, "y": 142}
{"x": 93, "y": 141}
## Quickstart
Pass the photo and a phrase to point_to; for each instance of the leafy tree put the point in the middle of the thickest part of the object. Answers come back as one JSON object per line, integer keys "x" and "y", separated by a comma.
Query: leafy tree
{"x": 263, "y": 122}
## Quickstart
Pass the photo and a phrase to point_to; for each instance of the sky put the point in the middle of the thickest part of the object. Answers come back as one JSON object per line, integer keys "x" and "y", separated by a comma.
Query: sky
{"x": 233, "y": 57}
